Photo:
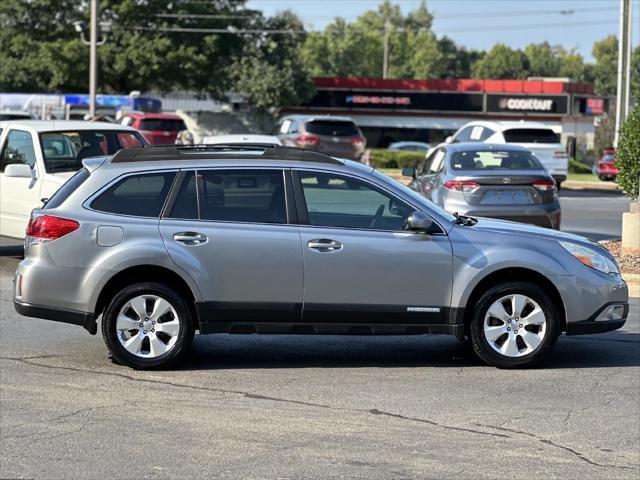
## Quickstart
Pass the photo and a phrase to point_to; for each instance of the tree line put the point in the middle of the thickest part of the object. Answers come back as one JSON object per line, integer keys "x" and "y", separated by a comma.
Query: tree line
{"x": 218, "y": 47}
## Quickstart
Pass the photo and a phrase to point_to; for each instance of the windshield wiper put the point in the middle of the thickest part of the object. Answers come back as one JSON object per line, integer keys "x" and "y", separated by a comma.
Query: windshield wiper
{"x": 464, "y": 220}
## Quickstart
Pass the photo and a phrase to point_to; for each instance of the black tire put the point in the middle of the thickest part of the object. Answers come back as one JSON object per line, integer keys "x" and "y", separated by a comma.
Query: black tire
{"x": 184, "y": 338}
{"x": 481, "y": 346}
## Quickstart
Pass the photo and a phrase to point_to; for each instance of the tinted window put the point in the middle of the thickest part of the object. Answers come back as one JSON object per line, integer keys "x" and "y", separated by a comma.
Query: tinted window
{"x": 255, "y": 196}
{"x": 18, "y": 149}
{"x": 137, "y": 195}
{"x": 486, "y": 133}
{"x": 530, "y": 135}
{"x": 336, "y": 201}
{"x": 464, "y": 135}
{"x": 162, "y": 124}
{"x": 186, "y": 202}
{"x": 67, "y": 189}
{"x": 332, "y": 128}
{"x": 494, "y": 160}
{"x": 64, "y": 151}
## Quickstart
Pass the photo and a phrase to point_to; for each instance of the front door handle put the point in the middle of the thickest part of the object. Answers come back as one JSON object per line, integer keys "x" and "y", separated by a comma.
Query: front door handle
{"x": 324, "y": 245}
{"x": 190, "y": 238}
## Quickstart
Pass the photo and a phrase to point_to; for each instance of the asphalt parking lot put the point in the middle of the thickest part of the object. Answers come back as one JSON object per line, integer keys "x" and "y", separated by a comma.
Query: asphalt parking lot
{"x": 314, "y": 407}
{"x": 321, "y": 407}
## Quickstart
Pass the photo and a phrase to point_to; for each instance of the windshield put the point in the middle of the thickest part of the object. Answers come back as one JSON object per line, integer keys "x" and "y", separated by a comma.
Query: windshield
{"x": 164, "y": 124}
{"x": 332, "y": 128}
{"x": 494, "y": 160}
{"x": 64, "y": 151}
{"x": 414, "y": 195}
{"x": 530, "y": 135}
{"x": 609, "y": 157}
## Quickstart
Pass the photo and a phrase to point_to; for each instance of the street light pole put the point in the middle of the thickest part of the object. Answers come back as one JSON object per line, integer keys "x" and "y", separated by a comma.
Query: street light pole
{"x": 624, "y": 67}
{"x": 93, "y": 58}
{"x": 385, "y": 55}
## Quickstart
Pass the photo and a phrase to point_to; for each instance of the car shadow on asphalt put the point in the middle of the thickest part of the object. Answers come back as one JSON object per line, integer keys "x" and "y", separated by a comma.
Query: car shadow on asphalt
{"x": 220, "y": 352}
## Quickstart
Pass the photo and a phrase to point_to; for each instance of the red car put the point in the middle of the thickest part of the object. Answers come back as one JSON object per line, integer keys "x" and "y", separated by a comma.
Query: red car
{"x": 157, "y": 128}
{"x": 607, "y": 165}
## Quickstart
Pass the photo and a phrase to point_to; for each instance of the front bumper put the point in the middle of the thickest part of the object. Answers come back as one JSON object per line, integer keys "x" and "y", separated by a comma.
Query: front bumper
{"x": 84, "y": 319}
{"x": 611, "y": 316}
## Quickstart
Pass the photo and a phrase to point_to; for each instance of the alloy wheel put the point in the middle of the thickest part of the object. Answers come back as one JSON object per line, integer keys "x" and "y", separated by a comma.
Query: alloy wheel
{"x": 515, "y": 325}
{"x": 147, "y": 326}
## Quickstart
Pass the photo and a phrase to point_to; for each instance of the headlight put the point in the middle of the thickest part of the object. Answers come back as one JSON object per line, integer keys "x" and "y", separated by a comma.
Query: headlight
{"x": 590, "y": 258}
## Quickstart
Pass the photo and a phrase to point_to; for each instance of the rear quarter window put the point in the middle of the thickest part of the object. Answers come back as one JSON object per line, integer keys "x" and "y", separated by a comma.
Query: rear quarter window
{"x": 67, "y": 189}
{"x": 136, "y": 195}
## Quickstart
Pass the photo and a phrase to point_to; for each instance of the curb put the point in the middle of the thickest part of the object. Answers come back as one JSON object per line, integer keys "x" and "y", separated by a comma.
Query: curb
{"x": 633, "y": 282}
{"x": 610, "y": 187}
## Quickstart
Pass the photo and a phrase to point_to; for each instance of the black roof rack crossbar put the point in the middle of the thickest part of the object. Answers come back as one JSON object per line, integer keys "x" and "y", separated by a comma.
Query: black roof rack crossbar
{"x": 261, "y": 151}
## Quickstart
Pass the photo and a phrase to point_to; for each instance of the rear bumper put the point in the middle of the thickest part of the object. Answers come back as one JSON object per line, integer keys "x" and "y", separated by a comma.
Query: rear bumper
{"x": 600, "y": 322}
{"x": 83, "y": 319}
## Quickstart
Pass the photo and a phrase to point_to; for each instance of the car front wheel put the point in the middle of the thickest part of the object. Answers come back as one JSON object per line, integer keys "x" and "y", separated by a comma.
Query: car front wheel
{"x": 147, "y": 325}
{"x": 514, "y": 325}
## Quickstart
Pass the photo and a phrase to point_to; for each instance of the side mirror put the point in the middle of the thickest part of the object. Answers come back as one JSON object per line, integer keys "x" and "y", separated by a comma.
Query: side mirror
{"x": 449, "y": 139}
{"x": 420, "y": 222}
{"x": 18, "y": 170}
{"x": 409, "y": 172}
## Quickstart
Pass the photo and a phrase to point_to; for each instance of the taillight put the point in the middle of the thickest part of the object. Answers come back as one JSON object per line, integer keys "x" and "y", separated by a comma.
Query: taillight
{"x": 358, "y": 141}
{"x": 545, "y": 185}
{"x": 48, "y": 227}
{"x": 307, "y": 140}
{"x": 560, "y": 154}
{"x": 461, "y": 185}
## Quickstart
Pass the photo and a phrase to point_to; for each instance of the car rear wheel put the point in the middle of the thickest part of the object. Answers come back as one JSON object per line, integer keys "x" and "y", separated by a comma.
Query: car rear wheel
{"x": 514, "y": 325}
{"x": 147, "y": 325}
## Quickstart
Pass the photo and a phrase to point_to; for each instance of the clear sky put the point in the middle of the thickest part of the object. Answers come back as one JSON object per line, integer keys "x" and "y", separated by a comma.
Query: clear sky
{"x": 483, "y": 23}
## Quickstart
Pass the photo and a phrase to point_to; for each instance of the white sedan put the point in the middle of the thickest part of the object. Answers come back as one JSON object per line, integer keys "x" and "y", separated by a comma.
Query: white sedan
{"x": 243, "y": 138}
{"x": 38, "y": 156}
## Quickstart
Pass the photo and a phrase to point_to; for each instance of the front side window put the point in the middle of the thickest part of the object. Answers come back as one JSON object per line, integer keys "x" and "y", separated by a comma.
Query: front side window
{"x": 64, "y": 151}
{"x": 136, "y": 195}
{"x": 336, "y": 201}
{"x": 18, "y": 149}
{"x": 464, "y": 135}
{"x": 251, "y": 196}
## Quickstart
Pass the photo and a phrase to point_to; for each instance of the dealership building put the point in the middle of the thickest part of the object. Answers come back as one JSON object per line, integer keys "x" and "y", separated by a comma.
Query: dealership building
{"x": 389, "y": 110}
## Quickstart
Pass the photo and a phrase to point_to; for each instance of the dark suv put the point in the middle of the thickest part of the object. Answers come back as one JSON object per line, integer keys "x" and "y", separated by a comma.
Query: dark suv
{"x": 334, "y": 136}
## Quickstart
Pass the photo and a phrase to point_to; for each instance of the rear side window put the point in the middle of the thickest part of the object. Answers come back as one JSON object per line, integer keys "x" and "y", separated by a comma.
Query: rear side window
{"x": 253, "y": 196}
{"x": 136, "y": 195}
{"x": 530, "y": 135}
{"x": 332, "y": 128}
{"x": 67, "y": 189}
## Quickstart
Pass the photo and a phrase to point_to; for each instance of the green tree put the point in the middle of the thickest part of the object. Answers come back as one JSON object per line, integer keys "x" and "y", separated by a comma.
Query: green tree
{"x": 502, "y": 62}
{"x": 605, "y": 69}
{"x": 457, "y": 61}
{"x": 572, "y": 65}
{"x": 635, "y": 73}
{"x": 356, "y": 48}
{"x": 42, "y": 52}
{"x": 544, "y": 60}
{"x": 628, "y": 156}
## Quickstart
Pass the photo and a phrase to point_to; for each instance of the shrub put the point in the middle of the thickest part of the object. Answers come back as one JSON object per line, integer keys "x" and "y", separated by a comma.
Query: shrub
{"x": 628, "y": 156}
{"x": 383, "y": 158}
{"x": 578, "y": 167}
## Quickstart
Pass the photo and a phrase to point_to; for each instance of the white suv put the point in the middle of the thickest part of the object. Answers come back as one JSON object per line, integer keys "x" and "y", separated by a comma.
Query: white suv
{"x": 536, "y": 137}
{"x": 38, "y": 156}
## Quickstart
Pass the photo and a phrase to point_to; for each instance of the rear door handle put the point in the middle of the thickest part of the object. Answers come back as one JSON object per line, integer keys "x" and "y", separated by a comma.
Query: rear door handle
{"x": 190, "y": 238}
{"x": 324, "y": 245}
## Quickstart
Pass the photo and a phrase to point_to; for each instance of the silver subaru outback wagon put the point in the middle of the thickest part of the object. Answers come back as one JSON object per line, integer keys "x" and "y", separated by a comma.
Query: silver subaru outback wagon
{"x": 160, "y": 242}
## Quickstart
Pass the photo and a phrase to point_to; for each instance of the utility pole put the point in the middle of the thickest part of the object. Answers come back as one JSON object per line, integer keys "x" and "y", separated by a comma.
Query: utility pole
{"x": 93, "y": 58}
{"x": 385, "y": 57}
{"x": 624, "y": 67}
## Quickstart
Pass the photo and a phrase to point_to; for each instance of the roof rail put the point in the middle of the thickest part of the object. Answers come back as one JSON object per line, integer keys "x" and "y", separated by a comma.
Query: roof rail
{"x": 263, "y": 151}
